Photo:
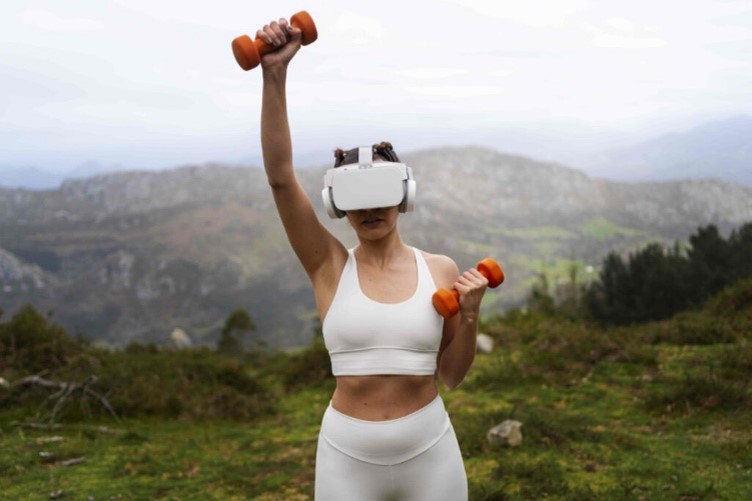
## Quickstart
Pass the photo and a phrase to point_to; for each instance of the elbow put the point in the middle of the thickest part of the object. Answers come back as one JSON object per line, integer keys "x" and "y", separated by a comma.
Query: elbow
{"x": 451, "y": 385}
{"x": 451, "y": 381}
{"x": 277, "y": 184}
{"x": 280, "y": 184}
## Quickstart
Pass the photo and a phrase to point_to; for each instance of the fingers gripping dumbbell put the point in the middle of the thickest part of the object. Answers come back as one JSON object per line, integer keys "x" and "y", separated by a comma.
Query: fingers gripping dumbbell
{"x": 447, "y": 302}
{"x": 248, "y": 52}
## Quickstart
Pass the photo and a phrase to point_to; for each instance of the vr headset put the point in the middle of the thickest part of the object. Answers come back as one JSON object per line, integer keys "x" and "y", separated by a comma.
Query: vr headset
{"x": 368, "y": 185}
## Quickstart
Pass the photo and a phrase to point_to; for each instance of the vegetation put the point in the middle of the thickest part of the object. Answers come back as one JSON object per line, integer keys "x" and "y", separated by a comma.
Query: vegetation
{"x": 654, "y": 410}
{"x": 237, "y": 325}
{"x": 655, "y": 283}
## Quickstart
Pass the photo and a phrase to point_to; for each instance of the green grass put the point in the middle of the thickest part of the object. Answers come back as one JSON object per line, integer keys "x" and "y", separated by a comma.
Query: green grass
{"x": 153, "y": 459}
{"x": 602, "y": 229}
{"x": 597, "y": 440}
{"x": 534, "y": 233}
{"x": 657, "y": 411}
{"x": 559, "y": 269}
{"x": 593, "y": 438}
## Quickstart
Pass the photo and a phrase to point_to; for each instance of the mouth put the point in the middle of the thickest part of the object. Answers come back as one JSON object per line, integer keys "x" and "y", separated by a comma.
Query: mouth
{"x": 372, "y": 220}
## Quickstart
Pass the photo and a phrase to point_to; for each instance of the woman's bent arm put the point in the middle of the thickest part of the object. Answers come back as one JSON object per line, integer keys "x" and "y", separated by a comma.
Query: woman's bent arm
{"x": 457, "y": 351}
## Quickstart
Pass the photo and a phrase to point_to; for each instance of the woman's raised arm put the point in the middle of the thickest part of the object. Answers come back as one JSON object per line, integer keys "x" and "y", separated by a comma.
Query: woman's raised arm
{"x": 314, "y": 245}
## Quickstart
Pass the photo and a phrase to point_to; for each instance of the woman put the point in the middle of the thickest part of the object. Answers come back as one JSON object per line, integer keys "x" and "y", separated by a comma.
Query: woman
{"x": 386, "y": 434}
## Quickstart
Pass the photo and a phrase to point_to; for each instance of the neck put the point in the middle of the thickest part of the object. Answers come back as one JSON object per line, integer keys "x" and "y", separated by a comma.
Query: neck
{"x": 383, "y": 251}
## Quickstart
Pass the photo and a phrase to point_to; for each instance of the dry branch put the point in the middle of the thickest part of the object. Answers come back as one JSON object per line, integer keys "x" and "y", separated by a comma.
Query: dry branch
{"x": 64, "y": 391}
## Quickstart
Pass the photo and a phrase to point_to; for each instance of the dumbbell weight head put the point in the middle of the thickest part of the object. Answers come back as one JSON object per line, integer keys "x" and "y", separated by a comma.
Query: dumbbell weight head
{"x": 248, "y": 52}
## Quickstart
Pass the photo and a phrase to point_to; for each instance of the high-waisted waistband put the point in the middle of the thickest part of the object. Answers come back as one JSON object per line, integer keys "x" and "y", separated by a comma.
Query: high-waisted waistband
{"x": 386, "y": 442}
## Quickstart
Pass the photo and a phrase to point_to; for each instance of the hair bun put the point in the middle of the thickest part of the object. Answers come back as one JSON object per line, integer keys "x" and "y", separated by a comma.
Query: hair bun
{"x": 385, "y": 150}
{"x": 382, "y": 150}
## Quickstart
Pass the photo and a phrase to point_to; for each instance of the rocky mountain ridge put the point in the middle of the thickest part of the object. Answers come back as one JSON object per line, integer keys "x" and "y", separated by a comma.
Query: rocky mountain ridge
{"x": 134, "y": 255}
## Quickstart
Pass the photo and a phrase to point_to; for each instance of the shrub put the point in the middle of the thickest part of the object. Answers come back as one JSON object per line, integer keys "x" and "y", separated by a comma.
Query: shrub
{"x": 309, "y": 367}
{"x": 193, "y": 384}
{"x": 721, "y": 383}
{"x": 554, "y": 350}
{"x": 690, "y": 328}
{"x": 30, "y": 343}
{"x": 693, "y": 392}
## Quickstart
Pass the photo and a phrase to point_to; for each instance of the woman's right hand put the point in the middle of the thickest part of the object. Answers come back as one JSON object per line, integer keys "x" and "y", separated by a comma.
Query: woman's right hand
{"x": 287, "y": 40}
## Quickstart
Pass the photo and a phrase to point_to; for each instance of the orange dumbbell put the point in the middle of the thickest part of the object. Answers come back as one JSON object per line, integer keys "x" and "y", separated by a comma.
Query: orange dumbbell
{"x": 447, "y": 302}
{"x": 248, "y": 52}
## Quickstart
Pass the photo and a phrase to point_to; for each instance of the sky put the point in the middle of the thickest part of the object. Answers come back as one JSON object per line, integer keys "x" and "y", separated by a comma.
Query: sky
{"x": 149, "y": 84}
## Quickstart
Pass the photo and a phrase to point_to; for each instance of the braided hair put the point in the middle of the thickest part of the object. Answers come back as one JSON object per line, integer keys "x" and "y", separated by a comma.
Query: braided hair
{"x": 383, "y": 150}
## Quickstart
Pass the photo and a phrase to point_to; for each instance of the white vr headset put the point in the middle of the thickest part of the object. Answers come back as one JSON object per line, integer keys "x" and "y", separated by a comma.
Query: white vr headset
{"x": 368, "y": 185}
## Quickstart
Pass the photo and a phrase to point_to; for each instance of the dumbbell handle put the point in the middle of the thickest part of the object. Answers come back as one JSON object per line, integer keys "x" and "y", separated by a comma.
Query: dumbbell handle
{"x": 447, "y": 302}
{"x": 248, "y": 52}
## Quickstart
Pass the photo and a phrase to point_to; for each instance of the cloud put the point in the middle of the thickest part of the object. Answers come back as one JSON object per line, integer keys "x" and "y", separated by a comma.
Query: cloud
{"x": 431, "y": 73}
{"x": 456, "y": 91}
{"x": 354, "y": 28}
{"x": 52, "y": 21}
{"x": 619, "y": 33}
{"x": 537, "y": 13}
{"x": 144, "y": 70}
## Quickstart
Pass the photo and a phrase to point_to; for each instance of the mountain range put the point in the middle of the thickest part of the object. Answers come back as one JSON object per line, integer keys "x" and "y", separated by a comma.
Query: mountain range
{"x": 719, "y": 150}
{"x": 130, "y": 256}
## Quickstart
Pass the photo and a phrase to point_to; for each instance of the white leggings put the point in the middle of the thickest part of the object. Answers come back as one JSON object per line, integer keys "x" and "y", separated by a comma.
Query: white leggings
{"x": 413, "y": 458}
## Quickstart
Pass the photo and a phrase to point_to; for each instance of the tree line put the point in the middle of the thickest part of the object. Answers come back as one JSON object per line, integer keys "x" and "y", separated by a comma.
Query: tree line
{"x": 657, "y": 282}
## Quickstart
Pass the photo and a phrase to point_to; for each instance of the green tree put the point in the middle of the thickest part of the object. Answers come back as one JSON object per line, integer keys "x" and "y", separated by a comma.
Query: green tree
{"x": 710, "y": 259}
{"x": 237, "y": 325}
{"x": 740, "y": 243}
{"x": 651, "y": 285}
{"x": 540, "y": 298}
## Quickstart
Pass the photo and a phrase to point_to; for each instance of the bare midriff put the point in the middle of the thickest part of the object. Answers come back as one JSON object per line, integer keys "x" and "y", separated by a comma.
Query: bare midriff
{"x": 382, "y": 397}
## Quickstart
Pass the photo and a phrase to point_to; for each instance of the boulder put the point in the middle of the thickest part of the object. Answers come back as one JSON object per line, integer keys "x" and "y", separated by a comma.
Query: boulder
{"x": 507, "y": 433}
{"x": 180, "y": 339}
{"x": 484, "y": 343}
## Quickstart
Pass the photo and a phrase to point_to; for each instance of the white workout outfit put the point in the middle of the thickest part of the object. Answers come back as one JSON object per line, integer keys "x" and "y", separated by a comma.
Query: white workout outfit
{"x": 415, "y": 457}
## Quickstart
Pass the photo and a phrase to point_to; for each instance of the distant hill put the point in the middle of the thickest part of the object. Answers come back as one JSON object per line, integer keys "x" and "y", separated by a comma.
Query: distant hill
{"x": 133, "y": 255}
{"x": 720, "y": 150}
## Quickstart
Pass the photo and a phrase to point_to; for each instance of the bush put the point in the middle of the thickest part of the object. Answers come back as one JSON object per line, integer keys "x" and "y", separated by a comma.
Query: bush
{"x": 734, "y": 303}
{"x": 697, "y": 392}
{"x": 138, "y": 381}
{"x": 309, "y": 367}
{"x": 30, "y": 343}
{"x": 691, "y": 328}
{"x": 192, "y": 384}
{"x": 715, "y": 380}
{"x": 554, "y": 350}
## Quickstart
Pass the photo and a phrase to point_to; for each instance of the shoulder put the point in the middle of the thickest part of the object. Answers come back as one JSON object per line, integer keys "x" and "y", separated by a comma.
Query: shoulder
{"x": 443, "y": 268}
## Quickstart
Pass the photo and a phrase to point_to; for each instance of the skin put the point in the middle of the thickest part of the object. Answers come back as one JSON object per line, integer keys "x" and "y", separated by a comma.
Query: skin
{"x": 386, "y": 266}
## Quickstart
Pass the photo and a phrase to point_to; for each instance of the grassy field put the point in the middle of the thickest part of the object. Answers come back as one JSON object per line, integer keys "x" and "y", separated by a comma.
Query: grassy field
{"x": 660, "y": 411}
{"x": 588, "y": 439}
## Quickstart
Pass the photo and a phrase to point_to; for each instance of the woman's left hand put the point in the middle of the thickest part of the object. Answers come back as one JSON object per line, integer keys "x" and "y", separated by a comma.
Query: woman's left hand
{"x": 471, "y": 286}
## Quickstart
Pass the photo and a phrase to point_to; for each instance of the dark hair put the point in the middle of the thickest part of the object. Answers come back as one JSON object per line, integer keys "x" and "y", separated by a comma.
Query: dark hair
{"x": 383, "y": 150}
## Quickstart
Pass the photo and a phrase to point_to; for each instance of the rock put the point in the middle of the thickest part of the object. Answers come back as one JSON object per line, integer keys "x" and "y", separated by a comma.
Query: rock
{"x": 4, "y": 383}
{"x": 506, "y": 433}
{"x": 484, "y": 343}
{"x": 180, "y": 339}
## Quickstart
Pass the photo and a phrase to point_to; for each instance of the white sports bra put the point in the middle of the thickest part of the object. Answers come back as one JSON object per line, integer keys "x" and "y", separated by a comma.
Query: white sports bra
{"x": 366, "y": 337}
